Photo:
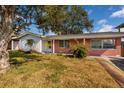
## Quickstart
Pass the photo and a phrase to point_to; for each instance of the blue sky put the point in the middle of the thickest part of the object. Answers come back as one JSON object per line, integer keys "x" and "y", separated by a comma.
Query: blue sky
{"x": 105, "y": 17}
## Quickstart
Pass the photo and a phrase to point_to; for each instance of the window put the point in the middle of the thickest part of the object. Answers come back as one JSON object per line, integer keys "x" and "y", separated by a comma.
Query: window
{"x": 96, "y": 44}
{"x": 64, "y": 43}
{"x": 108, "y": 44}
{"x": 103, "y": 44}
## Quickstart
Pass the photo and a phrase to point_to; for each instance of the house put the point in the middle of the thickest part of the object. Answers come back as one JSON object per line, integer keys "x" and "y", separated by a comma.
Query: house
{"x": 99, "y": 44}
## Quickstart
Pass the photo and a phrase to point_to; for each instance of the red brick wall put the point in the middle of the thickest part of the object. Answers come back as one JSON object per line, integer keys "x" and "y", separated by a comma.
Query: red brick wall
{"x": 109, "y": 52}
{"x": 72, "y": 42}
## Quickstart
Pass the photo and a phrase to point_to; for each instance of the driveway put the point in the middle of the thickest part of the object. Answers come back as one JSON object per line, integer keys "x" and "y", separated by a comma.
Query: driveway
{"x": 111, "y": 65}
{"x": 117, "y": 61}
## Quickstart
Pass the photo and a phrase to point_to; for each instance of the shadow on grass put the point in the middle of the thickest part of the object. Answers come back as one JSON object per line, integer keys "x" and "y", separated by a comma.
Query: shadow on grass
{"x": 17, "y": 58}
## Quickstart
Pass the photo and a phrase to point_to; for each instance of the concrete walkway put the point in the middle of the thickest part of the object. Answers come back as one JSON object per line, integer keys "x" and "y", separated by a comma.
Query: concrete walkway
{"x": 113, "y": 70}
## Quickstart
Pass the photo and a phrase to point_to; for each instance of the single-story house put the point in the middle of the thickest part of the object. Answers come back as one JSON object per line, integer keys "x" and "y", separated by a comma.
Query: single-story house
{"x": 99, "y": 44}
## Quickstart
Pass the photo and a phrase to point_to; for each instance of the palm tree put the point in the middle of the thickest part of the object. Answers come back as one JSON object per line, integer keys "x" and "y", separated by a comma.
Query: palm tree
{"x": 30, "y": 43}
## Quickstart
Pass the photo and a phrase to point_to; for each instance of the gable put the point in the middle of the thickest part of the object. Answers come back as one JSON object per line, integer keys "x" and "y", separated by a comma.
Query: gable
{"x": 36, "y": 35}
{"x": 29, "y": 36}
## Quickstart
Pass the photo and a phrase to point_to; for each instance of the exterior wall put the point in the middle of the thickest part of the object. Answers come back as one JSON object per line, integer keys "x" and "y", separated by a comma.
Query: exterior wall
{"x": 60, "y": 49}
{"x": 107, "y": 52}
{"x": 92, "y": 52}
{"x": 37, "y": 45}
{"x": 122, "y": 52}
{"x": 121, "y": 29}
{"x": 15, "y": 45}
{"x": 72, "y": 43}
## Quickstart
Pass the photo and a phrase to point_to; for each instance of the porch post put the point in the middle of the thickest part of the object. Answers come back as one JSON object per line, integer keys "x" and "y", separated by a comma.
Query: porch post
{"x": 53, "y": 46}
{"x": 84, "y": 41}
{"x": 12, "y": 43}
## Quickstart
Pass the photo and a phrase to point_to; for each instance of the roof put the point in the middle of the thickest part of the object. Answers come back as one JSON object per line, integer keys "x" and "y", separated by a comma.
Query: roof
{"x": 26, "y": 33}
{"x": 78, "y": 36}
{"x": 89, "y": 35}
{"x": 29, "y": 33}
{"x": 120, "y": 26}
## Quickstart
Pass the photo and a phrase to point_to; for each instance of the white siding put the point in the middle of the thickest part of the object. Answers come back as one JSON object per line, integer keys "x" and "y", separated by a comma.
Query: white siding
{"x": 122, "y": 30}
{"x": 36, "y": 46}
{"x": 15, "y": 45}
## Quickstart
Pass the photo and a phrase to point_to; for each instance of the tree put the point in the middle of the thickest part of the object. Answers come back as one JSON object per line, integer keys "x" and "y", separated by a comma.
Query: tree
{"x": 77, "y": 20}
{"x": 52, "y": 18}
{"x": 12, "y": 19}
{"x": 64, "y": 19}
{"x": 30, "y": 43}
{"x": 59, "y": 19}
{"x": 7, "y": 15}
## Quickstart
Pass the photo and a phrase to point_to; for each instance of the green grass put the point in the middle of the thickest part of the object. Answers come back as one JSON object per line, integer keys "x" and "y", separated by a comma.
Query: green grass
{"x": 48, "y": 70}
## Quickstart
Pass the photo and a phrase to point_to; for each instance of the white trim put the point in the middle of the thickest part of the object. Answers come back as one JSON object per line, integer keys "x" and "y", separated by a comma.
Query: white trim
{"x": 41, "y": 47}
{"x": 84, "y": 41}
{"x": 53, "y": 46}
{"x": 103, "y": 49}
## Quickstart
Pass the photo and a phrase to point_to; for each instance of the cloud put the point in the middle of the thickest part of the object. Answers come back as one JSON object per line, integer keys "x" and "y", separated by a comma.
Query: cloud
{"x": 102, "y": 21}
{"x": 119, "y": 13}
{"x": 106, "y": 28}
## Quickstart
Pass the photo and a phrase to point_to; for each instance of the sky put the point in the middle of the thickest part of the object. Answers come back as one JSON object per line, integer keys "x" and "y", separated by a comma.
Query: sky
{"x": 105, "y": 17}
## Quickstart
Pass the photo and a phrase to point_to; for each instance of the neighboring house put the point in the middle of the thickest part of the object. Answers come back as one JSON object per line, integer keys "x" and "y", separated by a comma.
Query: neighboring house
{"x": 99, "y": 44}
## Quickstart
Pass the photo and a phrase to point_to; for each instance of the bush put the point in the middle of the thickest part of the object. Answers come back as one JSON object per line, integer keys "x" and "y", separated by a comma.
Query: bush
{"x": 80, "y": 51}
{"x": 16, "y": 53}
{"x": 18, "y": 60}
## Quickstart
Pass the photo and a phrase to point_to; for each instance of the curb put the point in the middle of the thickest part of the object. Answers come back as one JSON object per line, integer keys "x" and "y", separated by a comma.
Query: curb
{"x": 115, "y": 72}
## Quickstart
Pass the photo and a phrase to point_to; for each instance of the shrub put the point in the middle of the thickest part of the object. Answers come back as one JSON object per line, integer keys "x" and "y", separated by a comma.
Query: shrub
{"x": 29, "y": 43}
{"x": 18, "y": 60}
{"x": 80, "y": 51}
{"x": 16, "y": 53}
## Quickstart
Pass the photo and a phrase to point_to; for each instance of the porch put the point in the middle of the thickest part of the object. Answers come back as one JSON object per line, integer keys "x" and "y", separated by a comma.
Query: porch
{"x": 53, "y": 46}
{"x": 96, "y": 46}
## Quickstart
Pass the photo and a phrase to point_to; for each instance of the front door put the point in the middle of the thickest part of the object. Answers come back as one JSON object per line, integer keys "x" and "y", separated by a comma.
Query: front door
{"x": 47, "y": 46}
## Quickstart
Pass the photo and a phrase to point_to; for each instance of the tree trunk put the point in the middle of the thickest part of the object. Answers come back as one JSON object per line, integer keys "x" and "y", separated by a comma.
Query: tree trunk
{"x": 4, "y": 55}
{"x": 4, "y": 61}
{"x": 7, "y": 17}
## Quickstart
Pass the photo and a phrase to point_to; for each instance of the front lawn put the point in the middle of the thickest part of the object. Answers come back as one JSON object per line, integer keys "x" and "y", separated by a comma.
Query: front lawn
{"x": 48, "y": 70}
